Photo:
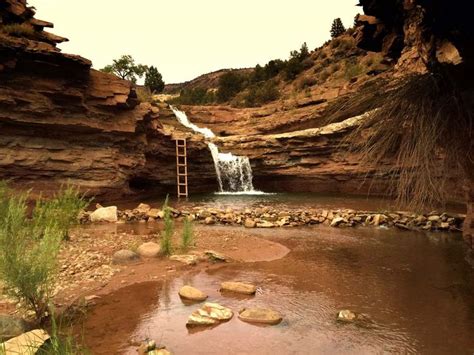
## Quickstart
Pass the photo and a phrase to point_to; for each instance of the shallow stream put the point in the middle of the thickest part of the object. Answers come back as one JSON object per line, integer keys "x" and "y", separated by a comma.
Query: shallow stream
{"x": 416, "y": 289}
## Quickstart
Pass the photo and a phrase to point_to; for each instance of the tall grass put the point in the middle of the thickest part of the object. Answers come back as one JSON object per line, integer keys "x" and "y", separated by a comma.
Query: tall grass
{"x": 29, "y": 247}
{"x": 187, "y": 239}
{"x": 63, "y": 208}
{"x": 167, "y": 234}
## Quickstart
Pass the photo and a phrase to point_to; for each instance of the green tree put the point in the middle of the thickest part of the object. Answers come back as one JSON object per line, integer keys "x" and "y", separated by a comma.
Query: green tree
{"x": 337, "y": 28}
{"x": 230, "y": 84}
{"x": 304, "y": 51}
{"x": 154, "y": 80}
{"x": 126, "y": 68}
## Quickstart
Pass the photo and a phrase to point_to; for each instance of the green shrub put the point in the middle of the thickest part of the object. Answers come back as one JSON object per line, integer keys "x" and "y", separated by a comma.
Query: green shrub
{"x": 167, "y": 234}
{"x": 29, "y": 248}
{"x": 261, "y": 94}
{"x": 63, "y": 208}
{"x": 196, "y": 96}
{"x": 188, "y": 237}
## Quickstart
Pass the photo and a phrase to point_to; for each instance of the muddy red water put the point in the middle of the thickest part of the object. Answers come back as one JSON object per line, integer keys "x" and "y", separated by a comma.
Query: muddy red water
{"x": 416, "y": 288}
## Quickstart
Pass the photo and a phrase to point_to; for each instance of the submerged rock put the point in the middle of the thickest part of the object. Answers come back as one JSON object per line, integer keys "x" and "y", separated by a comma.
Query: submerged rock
{"x": 209, "y": 314}
{"x": 239, "y": 287}
{"x": 104, "y": 214}
{"x": 11, "y": 327}
{"x": 124, "y": 256}
{"x": 260, "y": 315}
{"x": 149, "y": 250}
{"x": 346, "y": 316}
{"x": 191, "y": 293}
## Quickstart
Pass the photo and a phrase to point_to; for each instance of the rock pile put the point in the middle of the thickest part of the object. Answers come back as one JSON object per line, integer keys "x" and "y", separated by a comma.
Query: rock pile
{"x": 267, "y": 217}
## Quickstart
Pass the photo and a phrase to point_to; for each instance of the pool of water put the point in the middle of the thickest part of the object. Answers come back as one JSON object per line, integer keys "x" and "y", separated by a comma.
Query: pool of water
{"x": 416, "y": 289}
{"x": 280, "y": 200}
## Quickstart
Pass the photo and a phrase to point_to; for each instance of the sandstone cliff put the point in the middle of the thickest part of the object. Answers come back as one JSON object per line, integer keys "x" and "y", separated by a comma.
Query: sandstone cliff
{"x": 62, "y": 121}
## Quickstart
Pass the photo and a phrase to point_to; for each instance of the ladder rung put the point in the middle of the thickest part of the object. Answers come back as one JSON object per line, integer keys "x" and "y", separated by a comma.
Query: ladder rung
{"x": 182, "y": 184}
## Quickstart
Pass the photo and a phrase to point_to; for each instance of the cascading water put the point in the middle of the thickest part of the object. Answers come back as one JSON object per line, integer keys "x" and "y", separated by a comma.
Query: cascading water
{"x": 234, "y": 173}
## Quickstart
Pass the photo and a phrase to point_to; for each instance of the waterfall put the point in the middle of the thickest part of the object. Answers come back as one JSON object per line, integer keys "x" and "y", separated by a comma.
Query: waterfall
{"x": 234, "y": 173}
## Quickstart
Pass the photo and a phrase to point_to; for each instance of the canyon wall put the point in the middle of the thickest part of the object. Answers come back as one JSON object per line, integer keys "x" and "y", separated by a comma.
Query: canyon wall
{"x": 61, "y": 121}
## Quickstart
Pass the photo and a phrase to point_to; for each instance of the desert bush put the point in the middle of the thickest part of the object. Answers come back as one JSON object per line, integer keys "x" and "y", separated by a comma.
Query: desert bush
{"x": 167, "y": 233}
{"x": 324, "y": 75}
{"x": 144, "y": 94}
{"x": 306, "y": 82}
{"x": 188, "y": 234}
{"x": 353, "y": 70}
{"x": 335, "y": 43}
{"x": 29, "y": 247}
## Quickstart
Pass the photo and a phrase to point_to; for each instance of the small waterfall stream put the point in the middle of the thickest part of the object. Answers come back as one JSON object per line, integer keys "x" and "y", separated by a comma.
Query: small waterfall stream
{"x": 234, "y": 173}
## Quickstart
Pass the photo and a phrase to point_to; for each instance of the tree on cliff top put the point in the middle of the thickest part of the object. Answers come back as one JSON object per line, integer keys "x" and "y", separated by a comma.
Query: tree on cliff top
{"x": 154, "y": 80}
{"x": 125, "y": 68}
{"x": 337, "y": 28}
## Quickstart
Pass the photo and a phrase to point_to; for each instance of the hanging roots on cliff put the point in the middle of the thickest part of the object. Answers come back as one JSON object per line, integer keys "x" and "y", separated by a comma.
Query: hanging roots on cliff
{"x": 423, "y": 127}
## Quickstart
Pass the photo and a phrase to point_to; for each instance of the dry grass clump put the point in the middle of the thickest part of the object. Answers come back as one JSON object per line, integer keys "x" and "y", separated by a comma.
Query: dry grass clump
{"x": 19, "y": 30}
{"x": 424, "y": 125}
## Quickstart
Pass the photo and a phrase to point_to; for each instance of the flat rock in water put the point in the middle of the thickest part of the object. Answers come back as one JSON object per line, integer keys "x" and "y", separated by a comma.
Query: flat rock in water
{"x": 149, "y": 250}
{"x": 185, "y": 259}
{"x": 191, "y": 293}
{"x": 104, "y": 214}
{"x": 124, "y": 256}
{"x": 25, "y": 344}
{"x": 11, "y": 327}
{"x": 346, "y": 316}
{"x": 260, "y": 315}
{"x": 239, "y": 287}
{"x": 209, "y": 314}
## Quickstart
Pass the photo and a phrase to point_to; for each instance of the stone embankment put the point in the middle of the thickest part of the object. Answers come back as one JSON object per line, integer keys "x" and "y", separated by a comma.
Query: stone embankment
{"x": 268, "y": 217}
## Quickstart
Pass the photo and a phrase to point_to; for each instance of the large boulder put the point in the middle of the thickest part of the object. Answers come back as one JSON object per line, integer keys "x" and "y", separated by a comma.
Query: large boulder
{"x": 104, "y": 214}
{"x": 149, "y": 250}
{"x": 124, "y": 257}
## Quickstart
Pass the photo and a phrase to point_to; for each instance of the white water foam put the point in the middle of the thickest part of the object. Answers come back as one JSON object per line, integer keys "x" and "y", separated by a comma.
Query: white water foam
{"x": 234, "y": 173}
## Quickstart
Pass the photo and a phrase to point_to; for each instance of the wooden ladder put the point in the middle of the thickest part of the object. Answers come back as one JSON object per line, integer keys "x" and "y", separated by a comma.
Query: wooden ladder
{"x": 181, "y": 168}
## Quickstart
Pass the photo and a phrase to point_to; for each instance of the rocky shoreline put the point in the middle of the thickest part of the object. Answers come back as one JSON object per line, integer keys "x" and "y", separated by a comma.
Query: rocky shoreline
{"x": 268, "y": 217}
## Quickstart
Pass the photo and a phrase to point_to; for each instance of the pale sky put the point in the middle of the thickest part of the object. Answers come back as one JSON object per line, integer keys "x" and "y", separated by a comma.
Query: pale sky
{"x": 187, "y": 38}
